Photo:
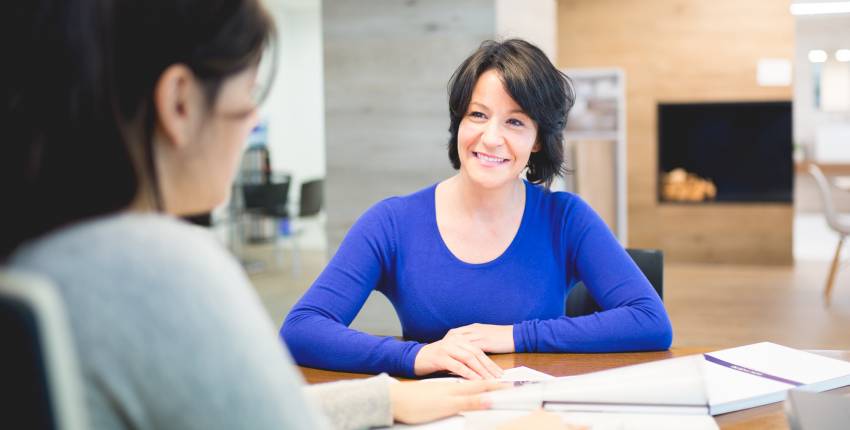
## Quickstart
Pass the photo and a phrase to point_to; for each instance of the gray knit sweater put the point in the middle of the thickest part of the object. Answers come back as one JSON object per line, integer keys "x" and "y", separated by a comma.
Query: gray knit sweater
{"x": 171, "y": 335}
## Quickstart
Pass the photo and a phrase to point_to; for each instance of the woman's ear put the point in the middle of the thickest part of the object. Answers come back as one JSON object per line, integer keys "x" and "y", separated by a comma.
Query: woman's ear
{"x": 537, "y": 147}
{"x": 178, "y": 101}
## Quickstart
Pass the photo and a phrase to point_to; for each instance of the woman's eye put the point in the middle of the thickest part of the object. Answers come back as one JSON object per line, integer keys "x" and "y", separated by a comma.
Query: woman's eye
{"x": 477, "y": 115}
{"x": 516, "y": 122}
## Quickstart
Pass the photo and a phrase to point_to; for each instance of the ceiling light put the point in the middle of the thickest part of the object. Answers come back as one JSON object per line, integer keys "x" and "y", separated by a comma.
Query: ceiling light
{"x": 842, "y": 55}
{"x": 817, "y": 56}
{"x": 821, "y": 8}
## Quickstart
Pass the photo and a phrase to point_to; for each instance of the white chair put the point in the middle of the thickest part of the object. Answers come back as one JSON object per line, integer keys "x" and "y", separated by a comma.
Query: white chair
{"x": 41, "y": 384}
{"x": 839, "y": 223}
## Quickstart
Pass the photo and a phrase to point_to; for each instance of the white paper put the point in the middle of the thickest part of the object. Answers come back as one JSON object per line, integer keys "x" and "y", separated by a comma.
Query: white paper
{"x": 514, "y": 374}
{"x": 523, "y": 373}
{"x": 480, "y": 420}
{"x": 675, "y": 383}
{"x": 488, "y": 420}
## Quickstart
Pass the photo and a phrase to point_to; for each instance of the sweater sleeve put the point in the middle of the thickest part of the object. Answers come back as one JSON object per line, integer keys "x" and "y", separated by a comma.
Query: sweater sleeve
{"x": 316, "y": 329}
{"x": 633, "y": 317}
{"x": 355, "y": 404}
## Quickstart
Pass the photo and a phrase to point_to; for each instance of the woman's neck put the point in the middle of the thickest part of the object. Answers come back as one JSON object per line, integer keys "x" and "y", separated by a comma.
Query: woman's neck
{"x": 487, "y": 203}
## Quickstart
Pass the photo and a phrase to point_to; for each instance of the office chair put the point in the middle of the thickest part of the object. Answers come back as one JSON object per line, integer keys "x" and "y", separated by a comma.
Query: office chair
{"x": 841, "y": 225}
{"x": 649, "y": 261}
{"x": 311, "y": 201}
{"x": 267, "y": 199}
{"x": 41, "y": 387}
{"x": 263, "y": 202}
{"x": 312, "y": 198}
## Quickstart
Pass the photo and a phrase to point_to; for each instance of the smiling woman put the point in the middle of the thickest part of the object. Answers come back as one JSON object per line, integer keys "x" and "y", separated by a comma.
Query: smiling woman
{"x": 482, "y": 261}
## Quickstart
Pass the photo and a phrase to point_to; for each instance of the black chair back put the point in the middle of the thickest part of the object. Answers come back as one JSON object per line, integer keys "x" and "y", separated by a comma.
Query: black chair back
{"x": 267, "y": 199}
{"x": 24, "y": 369}
{"x": 649, "y": 261}
{"x": 40, "y": 386}
{"x": 312, "y": 197}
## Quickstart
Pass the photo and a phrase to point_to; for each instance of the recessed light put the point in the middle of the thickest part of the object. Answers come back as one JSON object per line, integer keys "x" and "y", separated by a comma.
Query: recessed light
{"x": 817, "y": 56}
{"x": 820, "y": 8}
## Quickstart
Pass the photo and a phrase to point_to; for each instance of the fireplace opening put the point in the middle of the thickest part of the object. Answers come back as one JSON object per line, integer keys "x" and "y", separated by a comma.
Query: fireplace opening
{"x": 725, "y": 152}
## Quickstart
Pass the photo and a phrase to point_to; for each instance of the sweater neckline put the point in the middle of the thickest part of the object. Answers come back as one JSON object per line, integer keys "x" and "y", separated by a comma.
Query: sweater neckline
{"x": 432, "y": 203}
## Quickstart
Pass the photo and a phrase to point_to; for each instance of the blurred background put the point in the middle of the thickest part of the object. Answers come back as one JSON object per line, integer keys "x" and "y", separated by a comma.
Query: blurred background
{"x": 694, "y": 129}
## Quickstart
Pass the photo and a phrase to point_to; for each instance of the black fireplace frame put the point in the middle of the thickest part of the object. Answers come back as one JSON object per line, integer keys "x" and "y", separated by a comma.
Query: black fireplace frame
{"x": 745, "y": 147}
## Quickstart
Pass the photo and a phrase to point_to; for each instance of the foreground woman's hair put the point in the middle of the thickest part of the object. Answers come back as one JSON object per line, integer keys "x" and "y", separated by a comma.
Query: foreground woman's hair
{"x": 77, "y": 97}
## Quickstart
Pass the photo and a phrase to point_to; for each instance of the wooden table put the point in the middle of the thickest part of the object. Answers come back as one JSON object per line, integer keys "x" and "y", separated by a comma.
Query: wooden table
{"x": 764, "y": 417}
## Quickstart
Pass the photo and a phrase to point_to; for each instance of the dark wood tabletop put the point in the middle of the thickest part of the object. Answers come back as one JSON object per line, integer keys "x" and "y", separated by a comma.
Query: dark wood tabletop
{"x": 763, "y": 417}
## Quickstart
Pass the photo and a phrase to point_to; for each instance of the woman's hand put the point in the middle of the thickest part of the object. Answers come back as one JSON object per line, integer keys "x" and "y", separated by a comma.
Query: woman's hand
{"x": 488, "y": 337}
{"x": 539, "y": 420}
{"x": 456, "y": 354}
{"x": 418, "y": 402}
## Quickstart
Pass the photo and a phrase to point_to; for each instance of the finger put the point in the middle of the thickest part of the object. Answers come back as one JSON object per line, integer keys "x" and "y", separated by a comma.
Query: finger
{"x": 473, "y": 402}
{"x": 460, "y": 369}
{"x": 494, "y": 368}
{"x": 475, "y": 387}
{"x": 491, "y": 367}
{"x": 469, "y": 355}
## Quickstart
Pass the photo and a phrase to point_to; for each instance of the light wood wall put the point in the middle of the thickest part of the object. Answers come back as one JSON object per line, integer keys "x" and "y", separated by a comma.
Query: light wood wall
{"x": 685, "y": 51}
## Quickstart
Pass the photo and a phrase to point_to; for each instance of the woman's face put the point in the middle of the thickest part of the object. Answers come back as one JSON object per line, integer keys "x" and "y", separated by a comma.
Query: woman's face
{"x": 495, "y": 137}
{"x": 199, "y": 174}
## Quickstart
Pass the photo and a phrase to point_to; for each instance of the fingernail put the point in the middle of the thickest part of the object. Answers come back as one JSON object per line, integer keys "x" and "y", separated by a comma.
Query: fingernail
{"x": 485, "y": 401}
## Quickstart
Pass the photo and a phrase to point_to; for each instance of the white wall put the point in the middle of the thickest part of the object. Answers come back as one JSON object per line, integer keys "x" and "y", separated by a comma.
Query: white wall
{"x": 295, "y": 110}
{"x": 532, "y": 20}
{"x": 830, "y": 32}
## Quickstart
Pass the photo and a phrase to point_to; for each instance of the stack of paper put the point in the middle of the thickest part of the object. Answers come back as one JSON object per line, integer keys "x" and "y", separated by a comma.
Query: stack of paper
{"x": 716, "y": 383}
{"x": 672, "y": 386}
{"x": 676, "y": 393}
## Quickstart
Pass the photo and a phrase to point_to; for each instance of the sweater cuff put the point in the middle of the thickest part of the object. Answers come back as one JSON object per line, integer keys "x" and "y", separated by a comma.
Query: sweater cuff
{"x": 408, "y": 360}
{"x": 355, "y": 404}
{"x": 524, "y": 337}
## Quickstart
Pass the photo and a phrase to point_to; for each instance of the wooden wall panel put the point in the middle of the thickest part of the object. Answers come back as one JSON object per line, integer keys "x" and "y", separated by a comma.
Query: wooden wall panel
{"x": 685, "y": 51}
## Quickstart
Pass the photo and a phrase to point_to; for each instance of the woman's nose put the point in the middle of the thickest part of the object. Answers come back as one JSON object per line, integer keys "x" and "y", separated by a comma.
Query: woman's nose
{"x": 492, "y": 134}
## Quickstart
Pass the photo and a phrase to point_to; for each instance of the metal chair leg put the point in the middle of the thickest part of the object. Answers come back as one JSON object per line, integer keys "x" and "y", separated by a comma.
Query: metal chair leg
{"x": 830, "y": 281}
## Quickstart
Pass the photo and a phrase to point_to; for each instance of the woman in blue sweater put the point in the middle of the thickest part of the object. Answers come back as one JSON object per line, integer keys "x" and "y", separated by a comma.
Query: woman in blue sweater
{"x": 482, "y": 261}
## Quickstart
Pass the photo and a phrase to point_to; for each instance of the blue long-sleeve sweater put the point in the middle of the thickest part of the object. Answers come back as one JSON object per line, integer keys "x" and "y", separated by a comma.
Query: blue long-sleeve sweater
{"x": 396, "y": 248}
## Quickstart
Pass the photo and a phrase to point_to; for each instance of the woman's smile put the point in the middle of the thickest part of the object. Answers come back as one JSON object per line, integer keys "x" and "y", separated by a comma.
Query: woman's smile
{"x": 489, "y": 160}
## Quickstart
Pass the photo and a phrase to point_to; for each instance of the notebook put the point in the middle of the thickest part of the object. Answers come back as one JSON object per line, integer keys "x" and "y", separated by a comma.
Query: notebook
{"x": 713, "y": 383}
{"x": 762, "y": 373}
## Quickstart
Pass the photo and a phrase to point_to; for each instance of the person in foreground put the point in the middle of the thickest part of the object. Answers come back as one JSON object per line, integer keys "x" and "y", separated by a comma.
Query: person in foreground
{"x": 482, "y": 261}
{"x": 117, "y": 117}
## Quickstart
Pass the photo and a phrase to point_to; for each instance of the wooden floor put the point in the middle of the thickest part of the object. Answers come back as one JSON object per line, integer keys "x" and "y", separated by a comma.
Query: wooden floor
{"x": 710, "y": 305}
{"x": 731, "y": 305}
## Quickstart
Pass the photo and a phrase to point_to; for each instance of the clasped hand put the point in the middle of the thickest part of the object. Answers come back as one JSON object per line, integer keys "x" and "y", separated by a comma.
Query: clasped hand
{"x": 462, "y": 351}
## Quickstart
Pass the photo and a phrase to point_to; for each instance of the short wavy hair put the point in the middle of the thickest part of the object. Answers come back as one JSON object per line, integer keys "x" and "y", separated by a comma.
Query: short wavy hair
{"x": 545, "y": 94}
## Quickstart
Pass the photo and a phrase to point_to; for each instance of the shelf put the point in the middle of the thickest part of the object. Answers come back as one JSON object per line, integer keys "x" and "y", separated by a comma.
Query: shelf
{"x": 599, "y": 172}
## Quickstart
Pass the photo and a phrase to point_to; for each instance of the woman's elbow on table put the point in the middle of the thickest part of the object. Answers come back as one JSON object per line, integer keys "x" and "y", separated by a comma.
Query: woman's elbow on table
{"x": 662, "y": 331}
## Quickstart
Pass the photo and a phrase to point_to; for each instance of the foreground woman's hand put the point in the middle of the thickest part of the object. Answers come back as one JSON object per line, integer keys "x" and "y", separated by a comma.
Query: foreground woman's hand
{"x": 419, "y": 402}
{"x": 456, "y": 354}
{"x": 539, "y": 420}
